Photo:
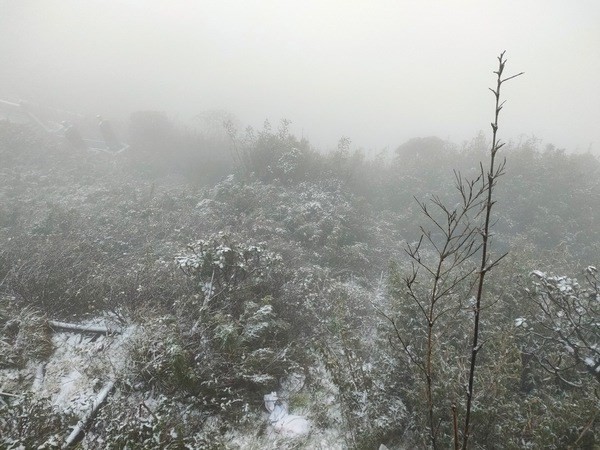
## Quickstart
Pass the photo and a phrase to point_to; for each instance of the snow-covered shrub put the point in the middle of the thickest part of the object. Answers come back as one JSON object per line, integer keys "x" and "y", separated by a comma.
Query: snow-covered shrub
{"x": 359, "y": 364}
{"x": 222, "y": 268}
{"x": 29, "y": 422}
{"x": 317, "y": 222}
{"x": 154, "y": 423}
{"x": 159, "y": 358}
{"x": 268, "y": 156}
{"x": 24, "y": 335}
{"x": 564, "y": 333}
{"x": 225, "y": 343}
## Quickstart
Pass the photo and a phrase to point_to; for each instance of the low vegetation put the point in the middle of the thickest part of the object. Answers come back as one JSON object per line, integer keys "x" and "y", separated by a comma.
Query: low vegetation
{"x": 272, "y": 260}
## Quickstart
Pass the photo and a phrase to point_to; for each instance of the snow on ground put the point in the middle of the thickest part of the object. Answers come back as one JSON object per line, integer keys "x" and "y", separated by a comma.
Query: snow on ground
{"x": 78, "y": 368}
{"x": 283, "y": 427}
{"x": 283, "y": 422}
{"x": 82, "y": 363}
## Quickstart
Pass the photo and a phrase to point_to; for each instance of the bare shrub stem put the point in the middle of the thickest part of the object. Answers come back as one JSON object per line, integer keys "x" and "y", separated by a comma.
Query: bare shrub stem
{"x": 486, "y": 264}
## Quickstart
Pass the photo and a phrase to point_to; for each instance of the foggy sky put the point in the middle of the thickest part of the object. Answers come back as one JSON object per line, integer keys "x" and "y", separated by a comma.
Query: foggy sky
{"x": 379, "y": 72}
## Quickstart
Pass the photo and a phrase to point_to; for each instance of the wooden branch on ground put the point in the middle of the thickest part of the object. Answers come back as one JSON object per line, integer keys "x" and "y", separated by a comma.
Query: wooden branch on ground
{"x": 78, "y": 328}
{"x": 38, "y": 381}
{"x": 7, "y": 394}
{"x": 78, "y": 432}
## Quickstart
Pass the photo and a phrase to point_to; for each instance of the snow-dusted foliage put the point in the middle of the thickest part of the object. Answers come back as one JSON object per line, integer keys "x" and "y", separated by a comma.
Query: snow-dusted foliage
{"x": 225, "y": 344}
{"x": 286, "y": 278}
{"x": 30, "y": 422}
{"x": 219, "y": 267}
{"x": 24, "y": 336}
{"x": 366, "y": 374}
{"x": 564, "y": 331}
{"x": 157, "y": 422}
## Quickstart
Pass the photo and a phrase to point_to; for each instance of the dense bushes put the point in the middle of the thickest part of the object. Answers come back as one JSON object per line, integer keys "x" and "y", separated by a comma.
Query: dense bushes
{"x": 29, "y": 422}
{"x": 561, "y": 328}
{"x": 24, "y": 336}
{"x": 288, "y": 273}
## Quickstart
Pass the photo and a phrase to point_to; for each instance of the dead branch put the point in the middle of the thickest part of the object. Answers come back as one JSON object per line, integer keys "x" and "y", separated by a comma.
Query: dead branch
{"x": 78, "y": 328}
{"x": 77, "y": 433}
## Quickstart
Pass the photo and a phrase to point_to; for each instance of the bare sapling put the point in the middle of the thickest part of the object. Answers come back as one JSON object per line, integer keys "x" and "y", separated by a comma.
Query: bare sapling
{"x": 445, "y": 270}
{"x": 487, "y": 263}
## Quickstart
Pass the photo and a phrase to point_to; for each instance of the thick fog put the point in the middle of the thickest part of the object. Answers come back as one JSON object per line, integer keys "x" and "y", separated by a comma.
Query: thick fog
{"x": 378, "y": 72}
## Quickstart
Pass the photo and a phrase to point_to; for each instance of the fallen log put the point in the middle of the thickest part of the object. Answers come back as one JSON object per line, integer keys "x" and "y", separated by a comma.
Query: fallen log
{"x": 8, "y": 394}
{"x": 78, "y": 432}
{"x": 78, "y": 328}
{"x": 40, "y": 372}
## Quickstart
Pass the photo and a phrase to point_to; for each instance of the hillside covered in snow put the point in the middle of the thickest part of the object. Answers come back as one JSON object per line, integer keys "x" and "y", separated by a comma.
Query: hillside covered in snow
{"x": 251, "y": 292}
